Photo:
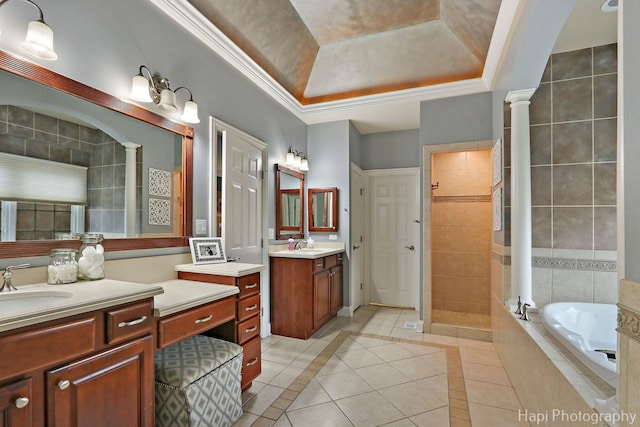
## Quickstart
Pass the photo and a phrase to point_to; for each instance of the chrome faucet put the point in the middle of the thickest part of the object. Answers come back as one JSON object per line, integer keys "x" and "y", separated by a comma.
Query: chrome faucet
{"x": 525, "y": 314}
{"x": 7, "y": 286}
{"x": 298, "y": 245}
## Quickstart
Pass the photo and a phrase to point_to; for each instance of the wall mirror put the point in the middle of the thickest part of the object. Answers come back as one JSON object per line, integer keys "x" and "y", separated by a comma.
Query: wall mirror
{"x": 47, "y": 117}
{"x": 289, "y": 203}
{"x": 323, "y": 209}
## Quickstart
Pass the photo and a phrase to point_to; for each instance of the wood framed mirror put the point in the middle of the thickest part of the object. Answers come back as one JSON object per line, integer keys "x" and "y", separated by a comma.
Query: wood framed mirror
{"x": 289, "y": 203}
{"x": 323, "y": 209}
{"x": 49, "y": 80}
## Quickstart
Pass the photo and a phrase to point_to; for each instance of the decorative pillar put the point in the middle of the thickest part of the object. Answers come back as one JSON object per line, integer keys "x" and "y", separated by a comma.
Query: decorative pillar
{"x": 521, "y": 271}
{"x": 130, "y": 189}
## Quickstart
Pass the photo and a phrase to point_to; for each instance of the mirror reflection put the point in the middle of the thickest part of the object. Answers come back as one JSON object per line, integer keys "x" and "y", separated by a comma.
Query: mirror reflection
{"x": 323, "y": 209}
{"x": 289, "y": 203}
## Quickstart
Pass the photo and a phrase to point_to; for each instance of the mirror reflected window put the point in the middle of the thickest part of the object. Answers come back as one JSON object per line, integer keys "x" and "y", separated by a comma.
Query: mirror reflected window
{"x": 323, "y": 209}
{"x": 289, "y": 203}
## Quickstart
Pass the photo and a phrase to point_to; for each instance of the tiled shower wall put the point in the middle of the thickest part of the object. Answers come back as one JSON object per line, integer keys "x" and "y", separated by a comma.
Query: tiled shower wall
{"x": 32, "y": 134}
{"x": 461, "y": 231}
{"x": 573, "y": 119}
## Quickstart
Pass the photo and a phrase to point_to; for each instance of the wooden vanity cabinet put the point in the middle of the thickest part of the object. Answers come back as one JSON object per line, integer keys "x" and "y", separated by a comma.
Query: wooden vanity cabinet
{"x": 80, "y": 371}
{"x": 305, "y": 294}
{"x": 245, "y": 329}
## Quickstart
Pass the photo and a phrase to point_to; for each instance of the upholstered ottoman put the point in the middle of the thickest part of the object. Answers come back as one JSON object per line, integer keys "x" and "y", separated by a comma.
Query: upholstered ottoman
{"x": 198, "y": 383}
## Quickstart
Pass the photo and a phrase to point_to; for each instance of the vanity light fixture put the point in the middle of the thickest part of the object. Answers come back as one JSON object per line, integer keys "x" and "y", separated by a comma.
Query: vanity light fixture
{"x": 39, "y": 39}
{"x": 297, "y": 160}
{"x": 156, "y": 89}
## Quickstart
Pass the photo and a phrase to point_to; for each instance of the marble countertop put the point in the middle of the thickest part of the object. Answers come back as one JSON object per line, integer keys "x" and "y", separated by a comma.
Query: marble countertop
{"x": 41, "y": 302}
{"x": 185, "y": 294}
{"x": 318, "y": 251}
{"x": 233, "y": 269}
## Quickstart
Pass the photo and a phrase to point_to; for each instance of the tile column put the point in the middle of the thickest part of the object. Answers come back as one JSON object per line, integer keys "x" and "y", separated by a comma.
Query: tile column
{"x": 521, "y": 271}
{"x": 130, "y": 189}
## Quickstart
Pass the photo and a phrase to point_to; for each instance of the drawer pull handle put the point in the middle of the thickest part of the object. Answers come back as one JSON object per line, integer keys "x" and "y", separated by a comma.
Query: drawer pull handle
{"x": 64, "y": 384}
{"x": 253, "y": 329}
{"x": 252, "y": 361}
{"x": 21, "y": 402}
{"x": 251, "y": 307}
{"x": 204, "y": 319}
{"x": 319, "y": 265}
{"x": 132, "y": 322}
{"x": 254, "y": 285}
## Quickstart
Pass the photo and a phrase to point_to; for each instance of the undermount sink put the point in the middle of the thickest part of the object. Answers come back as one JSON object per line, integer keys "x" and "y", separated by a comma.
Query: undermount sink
{"x": 18, "y": 301}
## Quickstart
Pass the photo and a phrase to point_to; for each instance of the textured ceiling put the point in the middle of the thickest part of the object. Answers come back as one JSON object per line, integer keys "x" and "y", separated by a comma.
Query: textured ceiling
{"x": 325, "y": 50}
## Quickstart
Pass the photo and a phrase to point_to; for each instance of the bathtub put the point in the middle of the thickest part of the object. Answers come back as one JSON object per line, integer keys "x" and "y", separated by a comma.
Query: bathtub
{"x": 588, "y": 331}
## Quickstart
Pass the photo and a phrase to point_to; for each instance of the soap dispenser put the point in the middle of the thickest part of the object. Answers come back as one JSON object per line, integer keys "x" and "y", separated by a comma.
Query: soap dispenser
{"x": 310, "y": 243}
{"x": 291, "y": 244}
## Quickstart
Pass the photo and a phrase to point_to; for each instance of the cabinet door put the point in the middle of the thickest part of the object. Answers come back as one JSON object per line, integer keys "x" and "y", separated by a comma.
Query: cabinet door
{"x": 336, "y": 289}
{"x": 15, "y": 404}
{"x": 112, "y": 388}
{"x": 321, "y": 298}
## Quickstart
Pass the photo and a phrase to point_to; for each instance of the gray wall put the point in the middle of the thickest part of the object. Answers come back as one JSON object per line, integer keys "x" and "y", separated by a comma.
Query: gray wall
{"x": 387, "y": 150}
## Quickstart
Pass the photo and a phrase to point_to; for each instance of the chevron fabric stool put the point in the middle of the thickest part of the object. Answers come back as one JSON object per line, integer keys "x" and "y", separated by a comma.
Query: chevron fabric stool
{"x": 198, "y": 383}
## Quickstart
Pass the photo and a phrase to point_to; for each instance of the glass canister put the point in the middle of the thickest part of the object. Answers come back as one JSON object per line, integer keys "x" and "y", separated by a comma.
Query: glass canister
{"x": 63, "y": 267}
{"x": 91, "y": 257}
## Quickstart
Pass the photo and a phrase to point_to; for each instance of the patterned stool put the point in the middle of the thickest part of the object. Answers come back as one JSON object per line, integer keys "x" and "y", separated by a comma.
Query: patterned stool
{"x": 198, "y": 383}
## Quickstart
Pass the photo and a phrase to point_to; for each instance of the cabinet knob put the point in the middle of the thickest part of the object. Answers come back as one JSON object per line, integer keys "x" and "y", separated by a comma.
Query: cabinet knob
{"x": 64, "y": 384}
{"x": 21, "y": 402}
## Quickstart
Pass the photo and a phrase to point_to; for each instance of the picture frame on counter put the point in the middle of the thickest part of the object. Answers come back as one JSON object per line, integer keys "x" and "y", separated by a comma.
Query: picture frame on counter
{"x": 207, "y": 250}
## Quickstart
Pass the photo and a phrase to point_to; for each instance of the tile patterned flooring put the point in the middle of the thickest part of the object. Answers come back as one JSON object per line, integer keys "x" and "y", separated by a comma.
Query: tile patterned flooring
{"x": 371, "y": 370}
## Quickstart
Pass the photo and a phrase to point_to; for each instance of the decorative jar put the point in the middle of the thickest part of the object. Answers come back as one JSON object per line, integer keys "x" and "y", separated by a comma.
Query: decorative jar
{"x": 63, "y": 267}
{"x": 91, "y": 257}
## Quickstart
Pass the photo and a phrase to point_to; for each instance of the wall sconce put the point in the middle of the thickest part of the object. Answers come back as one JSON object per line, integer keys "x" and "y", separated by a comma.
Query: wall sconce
{"x": 39, "y": 40}
{"x": 297, "y": 160}
{"x": 156, "y": 89}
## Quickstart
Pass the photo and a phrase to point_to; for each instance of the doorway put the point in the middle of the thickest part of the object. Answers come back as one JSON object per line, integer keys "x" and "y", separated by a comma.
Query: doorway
{"x": 461, "y": 234}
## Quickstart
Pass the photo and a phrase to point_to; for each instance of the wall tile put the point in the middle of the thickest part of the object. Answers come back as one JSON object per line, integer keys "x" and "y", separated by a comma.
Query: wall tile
{"x": 59, "y": 153}
{"x": 541, "y": 286}
{"x": 546, "y": 74}
{"x": 572, "y": 100}
{"x": 20, "y": 116}
{"x": 605, "y": 221}
{"x": 506, "y": 148}
{"x": 605, "y": 59}
{"x": 605, "y": 95}
{"x": 37, "y": 149}
{"x": 569, "y": 65}
{"x": 572, "y": 185}
{"x": 540, "y": 107}
{"x": 4, "y": 112}
{"x": 572, "y": 228}
{"x": 605, "y": 287}
{"x": 541, "y": 227}
{"x": 572, "y": 285}
{"x": 605, "y": 140}
{"x": 604, "y": 183}
{"x": 541, "y": 185}
{"x": 540, "y": 145}
{"x": 506, "y": 114}
{"x": 46, "y": 123}
{"x": 572, "y": 142}
{"x": 69, "y": 129}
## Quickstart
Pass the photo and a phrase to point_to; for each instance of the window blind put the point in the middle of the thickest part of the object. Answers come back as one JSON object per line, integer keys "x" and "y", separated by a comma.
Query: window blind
{"x": 28, "y": 179}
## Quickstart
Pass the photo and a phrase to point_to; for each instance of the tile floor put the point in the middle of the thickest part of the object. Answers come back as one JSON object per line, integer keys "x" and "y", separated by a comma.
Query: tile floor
{"x": 371, "y": 370}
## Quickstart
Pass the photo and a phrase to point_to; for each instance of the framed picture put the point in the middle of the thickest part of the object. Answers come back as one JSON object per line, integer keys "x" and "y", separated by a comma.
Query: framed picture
{"x": 207, "y": 250}
{"x": 497, "y": 209}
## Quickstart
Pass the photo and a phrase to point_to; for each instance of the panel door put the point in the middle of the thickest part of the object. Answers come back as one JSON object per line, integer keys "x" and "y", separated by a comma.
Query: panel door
{"x": 16, "y": 404}
{"x": 321, "y": 298}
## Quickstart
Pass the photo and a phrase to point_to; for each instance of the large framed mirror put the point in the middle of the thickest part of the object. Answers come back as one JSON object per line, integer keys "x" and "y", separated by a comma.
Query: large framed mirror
{"x": 160, "y": 215}
{"x": 323, "y": 209}
{"x": 289, "y": 203}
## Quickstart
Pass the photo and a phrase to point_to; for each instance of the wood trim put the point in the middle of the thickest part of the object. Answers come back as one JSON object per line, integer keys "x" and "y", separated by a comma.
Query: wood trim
{"x": 279, "y": 235}
{"x": 57, "y": 81}
{"x": 334, "y": 207}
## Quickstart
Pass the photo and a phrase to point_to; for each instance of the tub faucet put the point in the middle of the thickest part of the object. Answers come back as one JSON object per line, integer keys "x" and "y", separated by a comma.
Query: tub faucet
{"x": 519, "y": 309}
{"x": 7, "y": 286}
{"x": 525, "y": 314}
{"x": 298, "y": 245}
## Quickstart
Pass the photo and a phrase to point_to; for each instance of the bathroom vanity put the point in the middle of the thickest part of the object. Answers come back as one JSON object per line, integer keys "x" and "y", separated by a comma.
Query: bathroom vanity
{"x": 82, "y": 355}
{"x": 306, "y": 290}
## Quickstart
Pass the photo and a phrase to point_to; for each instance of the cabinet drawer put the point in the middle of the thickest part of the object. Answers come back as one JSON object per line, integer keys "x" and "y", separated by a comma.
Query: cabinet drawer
{"x": 16, "y": 403}
{"x": 47, "y": 346}
{"x": 251, "y": 361}
{"x": 249, "y": 285}
{"x": 248, "y": 329}
{"x": 182, "y": 325}
{"x": 330, "y": 261}
{"x": 129, "y": 322}
{"x": 248, "y": 307}
{"x": 318, "y": 264}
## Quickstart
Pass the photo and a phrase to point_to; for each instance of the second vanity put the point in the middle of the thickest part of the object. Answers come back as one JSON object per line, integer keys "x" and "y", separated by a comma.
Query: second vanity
{"x": 306, "y": 289}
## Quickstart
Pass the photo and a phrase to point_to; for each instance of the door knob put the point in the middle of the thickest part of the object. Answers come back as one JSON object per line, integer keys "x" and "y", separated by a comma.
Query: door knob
{"x": 411, "y": 247}
{"x": 356, "y": 247}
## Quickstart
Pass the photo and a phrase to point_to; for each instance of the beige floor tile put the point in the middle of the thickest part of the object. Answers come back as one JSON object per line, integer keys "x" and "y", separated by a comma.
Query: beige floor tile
{"x": 412, "y": 399}
{"x": 422, "y": 366}
{"x": 369, "y": 342}
{"x": 391, "y": 352}
{"x": 283, "y": 421}
{"x": 486, "y": 373}
{"x": 482, "y": 345}
{"x": 348, "y": 345}
{"x": 405, "y": 422}
{"x": 437, "y": 386}
{"x": 488, "y": 416}
{"x": 483, "y": 357}
{"x": 409, "y": 334}
{"x": 343, "y": 384}
{"x": 494, "y": 395}
{"x": 325, "y": 414}
{"x": 369, "y": 409}
{"x": 252, "y": 391}
{"x": 418, "y": 349}
{"x": 333, "y": 365}
{"x": 280, "y": 355}
{"x": 286, "y": 377}
{"x": 269, "y": 371}
{"x": 377, "y": 329}
{"x": 359, "y": 358}
{"x": 262, "y": 400}
{"x": 312, "y": 395}
{"x": 246, "y": 420}
{"x": 435, "y": 418}
{"x": 439, "y": 339}
{"x": 380, "y": 376}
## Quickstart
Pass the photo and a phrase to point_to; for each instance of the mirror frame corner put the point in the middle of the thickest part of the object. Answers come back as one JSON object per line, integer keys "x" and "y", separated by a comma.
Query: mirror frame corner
{"x": 279, "y": 232}
{"x": 334, "y": 209}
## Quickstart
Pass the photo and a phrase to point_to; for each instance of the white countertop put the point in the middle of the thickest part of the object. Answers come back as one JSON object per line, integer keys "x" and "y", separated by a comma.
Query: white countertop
{"x": 318, "y": 251}
{"x": 81, "y": 297}
{"x": 233, "y": 269}
{"x": 185, "y": 294}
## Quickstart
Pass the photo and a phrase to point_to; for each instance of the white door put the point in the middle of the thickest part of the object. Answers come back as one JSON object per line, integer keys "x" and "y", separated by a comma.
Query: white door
{"x": 356, "y": 238}
{"x": 242, "y": 194}
{"x": 395, "y": 238}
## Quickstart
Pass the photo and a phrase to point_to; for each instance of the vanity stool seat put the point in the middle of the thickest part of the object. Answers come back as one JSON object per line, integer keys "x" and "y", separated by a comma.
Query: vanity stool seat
{"x": 198, "y": 383}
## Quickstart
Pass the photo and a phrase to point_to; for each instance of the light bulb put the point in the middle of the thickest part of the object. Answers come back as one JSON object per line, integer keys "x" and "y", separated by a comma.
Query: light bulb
{"x": 39, "y": 41}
